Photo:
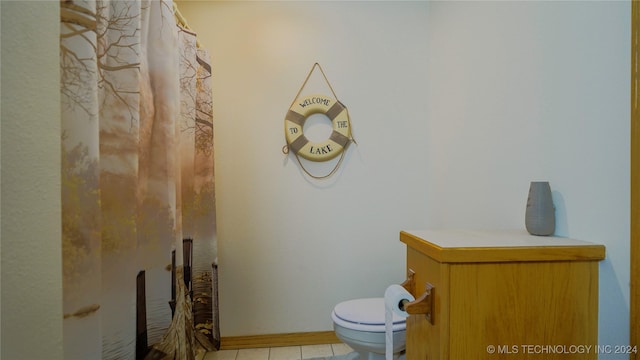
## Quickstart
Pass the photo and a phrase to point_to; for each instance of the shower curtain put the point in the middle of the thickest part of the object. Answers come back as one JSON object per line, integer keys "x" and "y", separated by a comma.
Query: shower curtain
{"x": 137, "y": 179}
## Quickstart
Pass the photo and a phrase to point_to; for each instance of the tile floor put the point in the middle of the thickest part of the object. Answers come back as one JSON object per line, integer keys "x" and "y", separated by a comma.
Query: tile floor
{"x": 280, "y": 353}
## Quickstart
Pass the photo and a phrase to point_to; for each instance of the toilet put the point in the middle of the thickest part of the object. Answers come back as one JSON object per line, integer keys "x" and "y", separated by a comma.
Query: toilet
{"x": 360, "y": 323}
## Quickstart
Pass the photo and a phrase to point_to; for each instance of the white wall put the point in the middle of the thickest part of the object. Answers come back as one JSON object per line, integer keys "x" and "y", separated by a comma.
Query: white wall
{"x": 31, "y": 240}
{"x": 456, "y": 107}
{"x": 522, "y": 91}
{"x": 291, "y": 247}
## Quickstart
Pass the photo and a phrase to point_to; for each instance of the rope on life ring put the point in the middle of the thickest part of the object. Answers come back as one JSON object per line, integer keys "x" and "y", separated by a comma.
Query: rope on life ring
{"x": 300, "y": 111}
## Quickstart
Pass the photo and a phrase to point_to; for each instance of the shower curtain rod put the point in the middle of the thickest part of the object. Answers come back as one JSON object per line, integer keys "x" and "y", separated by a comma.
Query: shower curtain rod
{"x": 182, "y": 21}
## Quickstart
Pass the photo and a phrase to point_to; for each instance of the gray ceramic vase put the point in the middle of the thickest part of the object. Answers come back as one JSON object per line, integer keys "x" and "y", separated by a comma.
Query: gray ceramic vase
{"x": 540, "y": 217}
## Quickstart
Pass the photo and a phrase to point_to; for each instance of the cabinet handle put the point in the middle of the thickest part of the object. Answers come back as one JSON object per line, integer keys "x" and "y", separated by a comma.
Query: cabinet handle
{"x": 423, "y": 305}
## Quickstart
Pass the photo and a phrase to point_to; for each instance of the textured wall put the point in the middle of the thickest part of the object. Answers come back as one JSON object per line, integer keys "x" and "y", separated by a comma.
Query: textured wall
{"x": 31, "y": 243}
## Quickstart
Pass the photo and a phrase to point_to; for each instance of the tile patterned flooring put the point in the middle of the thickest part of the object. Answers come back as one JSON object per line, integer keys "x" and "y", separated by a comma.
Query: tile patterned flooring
{"x": 280, "y": 353}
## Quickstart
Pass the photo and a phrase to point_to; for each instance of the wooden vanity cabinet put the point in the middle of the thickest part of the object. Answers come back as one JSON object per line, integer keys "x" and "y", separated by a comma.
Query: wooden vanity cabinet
{"x": 503, "y": 295}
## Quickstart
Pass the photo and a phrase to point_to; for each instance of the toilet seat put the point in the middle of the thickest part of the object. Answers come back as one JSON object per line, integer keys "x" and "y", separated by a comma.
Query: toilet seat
{"x": 365, "y": 315}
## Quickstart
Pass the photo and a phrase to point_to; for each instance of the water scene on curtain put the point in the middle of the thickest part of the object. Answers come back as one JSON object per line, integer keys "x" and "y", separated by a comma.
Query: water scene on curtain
{"x": 137, "y": 180}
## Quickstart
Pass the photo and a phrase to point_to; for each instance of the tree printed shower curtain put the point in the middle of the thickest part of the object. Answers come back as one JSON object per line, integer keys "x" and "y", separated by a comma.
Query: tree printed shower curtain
{"x": 137, "y": 180}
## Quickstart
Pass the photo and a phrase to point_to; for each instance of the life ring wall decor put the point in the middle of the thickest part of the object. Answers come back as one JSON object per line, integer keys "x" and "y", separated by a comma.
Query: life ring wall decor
{"x": 300, "y": 111}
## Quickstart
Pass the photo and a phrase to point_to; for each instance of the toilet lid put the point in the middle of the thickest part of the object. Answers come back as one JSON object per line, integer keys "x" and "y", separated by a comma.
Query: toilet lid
{"x": 365, "y": 311}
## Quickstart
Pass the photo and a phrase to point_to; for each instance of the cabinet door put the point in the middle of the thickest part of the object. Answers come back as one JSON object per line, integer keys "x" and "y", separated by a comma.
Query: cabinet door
{"x": 519, "y": 309}
{"x": 426, "y": 340}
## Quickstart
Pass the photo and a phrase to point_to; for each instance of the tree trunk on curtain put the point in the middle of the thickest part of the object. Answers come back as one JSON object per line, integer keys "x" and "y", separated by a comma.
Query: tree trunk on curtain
{"x": 132, "y": 161}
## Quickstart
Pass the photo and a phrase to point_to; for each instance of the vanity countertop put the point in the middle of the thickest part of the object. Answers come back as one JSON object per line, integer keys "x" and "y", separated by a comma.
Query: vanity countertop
{"x": 457, "y": 246}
